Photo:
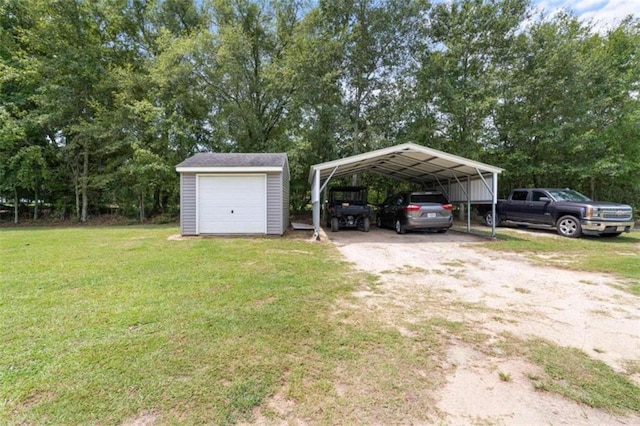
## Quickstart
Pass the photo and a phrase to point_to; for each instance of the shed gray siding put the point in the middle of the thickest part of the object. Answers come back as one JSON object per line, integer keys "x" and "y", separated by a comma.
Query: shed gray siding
{"x": 274, "y": 204}
{"x": 188, "y": 206}
{"x": 285, "y": 197}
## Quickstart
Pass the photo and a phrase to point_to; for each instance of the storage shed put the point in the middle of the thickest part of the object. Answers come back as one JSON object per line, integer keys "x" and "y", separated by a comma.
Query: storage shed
{"x": 234, "y": 194}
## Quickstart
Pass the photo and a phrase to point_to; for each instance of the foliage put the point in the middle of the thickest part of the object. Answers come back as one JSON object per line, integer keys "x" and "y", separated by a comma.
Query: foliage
{"x": 89, "y": 88}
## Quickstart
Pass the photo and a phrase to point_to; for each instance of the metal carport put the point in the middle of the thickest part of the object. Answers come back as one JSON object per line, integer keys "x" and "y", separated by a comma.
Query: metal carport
{"x": 463, "y": 180}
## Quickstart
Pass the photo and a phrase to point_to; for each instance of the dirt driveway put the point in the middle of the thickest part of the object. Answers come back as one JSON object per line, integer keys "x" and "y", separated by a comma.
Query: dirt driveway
{"x": 428, "y": 275}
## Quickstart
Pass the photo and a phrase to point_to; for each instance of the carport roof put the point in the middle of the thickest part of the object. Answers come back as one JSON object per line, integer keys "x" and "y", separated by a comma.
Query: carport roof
{"x": 408, "y": 162}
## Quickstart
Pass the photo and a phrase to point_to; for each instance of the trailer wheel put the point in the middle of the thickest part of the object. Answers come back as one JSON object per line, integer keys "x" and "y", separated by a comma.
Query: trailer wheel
{"x": 569, "y": 226}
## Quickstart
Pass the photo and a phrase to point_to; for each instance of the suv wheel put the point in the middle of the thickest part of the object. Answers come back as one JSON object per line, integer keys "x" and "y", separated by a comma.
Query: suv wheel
{"x": 569, "y": 226}
{"x": 399, "y": 227}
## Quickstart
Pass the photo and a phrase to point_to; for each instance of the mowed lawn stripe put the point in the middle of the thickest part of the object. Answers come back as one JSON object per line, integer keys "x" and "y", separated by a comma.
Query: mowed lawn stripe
{"x": 99, "y": 324}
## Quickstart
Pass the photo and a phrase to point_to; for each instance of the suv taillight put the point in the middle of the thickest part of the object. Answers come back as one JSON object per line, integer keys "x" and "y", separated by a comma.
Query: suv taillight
{"x": 412, "y": 208}
{"x": 447, "y": 206}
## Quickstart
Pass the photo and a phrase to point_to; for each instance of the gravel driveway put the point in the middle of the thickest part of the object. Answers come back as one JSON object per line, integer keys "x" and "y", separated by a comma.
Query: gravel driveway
{"x": 425, "y": 274}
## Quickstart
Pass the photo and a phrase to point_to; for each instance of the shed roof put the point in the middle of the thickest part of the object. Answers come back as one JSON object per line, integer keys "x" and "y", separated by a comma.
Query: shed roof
{"x": 215, "y": 161}
{"x": 408, "y": 162}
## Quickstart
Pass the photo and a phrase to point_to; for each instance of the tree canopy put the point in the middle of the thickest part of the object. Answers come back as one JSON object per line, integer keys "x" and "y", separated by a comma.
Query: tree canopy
{"x": 100, "y": 99}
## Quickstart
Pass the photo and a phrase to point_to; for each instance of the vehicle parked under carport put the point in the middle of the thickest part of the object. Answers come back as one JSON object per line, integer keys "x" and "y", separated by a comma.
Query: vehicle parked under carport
{"x": 347, "y": 207}
{"x": 426, "y": 211}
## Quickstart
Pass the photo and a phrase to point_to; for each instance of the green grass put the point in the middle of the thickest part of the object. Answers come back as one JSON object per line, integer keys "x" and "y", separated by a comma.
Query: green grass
{"x": 618, "y": 256}
{"x": 105, "y": 325}
{"x": 101, "y": 324}
{"x": 573, "y": 374}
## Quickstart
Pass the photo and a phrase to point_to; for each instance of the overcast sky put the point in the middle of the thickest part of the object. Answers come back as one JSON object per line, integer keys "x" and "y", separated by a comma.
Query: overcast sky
{"x": 602, "y": 12}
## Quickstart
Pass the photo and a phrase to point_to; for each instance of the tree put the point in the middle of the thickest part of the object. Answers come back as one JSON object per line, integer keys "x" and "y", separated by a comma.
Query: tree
{"x": 143, "y": 174}
{"x": 30, "y": 170}
{"x": 74, "y": 58}
{"x": 567, "y": 105}
{"x": 377, "y": 39}
{"x": 463, "y": 65}
{"x": 243, "y": 69}
{"x": 606, "y": 150}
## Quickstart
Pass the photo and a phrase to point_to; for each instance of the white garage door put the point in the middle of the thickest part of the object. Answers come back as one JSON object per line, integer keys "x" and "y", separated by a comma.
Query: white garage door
{"x": 232, "y": 204}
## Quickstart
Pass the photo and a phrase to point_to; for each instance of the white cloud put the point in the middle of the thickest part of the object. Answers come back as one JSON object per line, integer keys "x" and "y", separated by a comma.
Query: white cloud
{"x": 603, "y": 13}
{"x": 614, "y": 11}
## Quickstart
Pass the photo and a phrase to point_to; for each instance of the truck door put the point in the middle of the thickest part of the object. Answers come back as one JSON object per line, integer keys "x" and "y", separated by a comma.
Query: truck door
{"x": 515, "y": 207}
{"x": 536, "y": 208}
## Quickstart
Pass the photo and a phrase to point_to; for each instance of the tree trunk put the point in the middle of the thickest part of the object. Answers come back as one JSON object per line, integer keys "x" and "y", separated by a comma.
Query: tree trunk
{"x": 356, "y": 132}
{"x": 141, "y": 205}
{"x": 85, "y": 183}
{"x": 35, "y": 206}
{"x": 76, "y": 187}
{"x": 15, "y": 205}
{"x": 75, "y": 169}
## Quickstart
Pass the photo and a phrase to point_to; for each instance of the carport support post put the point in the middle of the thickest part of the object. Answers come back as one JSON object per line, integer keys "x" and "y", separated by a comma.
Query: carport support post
{"x": 315, "y": 201}
{"x": 468, "y": 204}
{"x": 493, "y": 204}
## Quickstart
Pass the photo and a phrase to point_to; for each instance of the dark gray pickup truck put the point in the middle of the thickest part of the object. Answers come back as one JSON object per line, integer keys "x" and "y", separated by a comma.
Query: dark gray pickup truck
{"x": 570, "y": 212}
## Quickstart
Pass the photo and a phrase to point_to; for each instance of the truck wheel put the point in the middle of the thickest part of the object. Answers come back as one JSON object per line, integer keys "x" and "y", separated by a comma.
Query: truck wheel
{"x": 488, "y": 219}
{"x": 334, "y": 224}
{"x": 366, "y": 224}
{"x": 399, "y": 227}
{"x": 569, "y": 226}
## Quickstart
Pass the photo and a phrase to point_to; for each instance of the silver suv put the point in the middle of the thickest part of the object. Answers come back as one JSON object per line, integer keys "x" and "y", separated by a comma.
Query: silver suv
{"x": 428, "y": 211}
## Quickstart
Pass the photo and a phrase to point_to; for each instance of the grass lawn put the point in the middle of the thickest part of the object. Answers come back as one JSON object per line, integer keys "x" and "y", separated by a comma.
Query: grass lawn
{"x": 100, "y": 325}
{"x": 120, "y": 324}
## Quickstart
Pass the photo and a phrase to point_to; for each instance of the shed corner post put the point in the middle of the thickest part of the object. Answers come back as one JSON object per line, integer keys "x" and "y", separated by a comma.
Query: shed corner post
{"x": 315, "y": 201}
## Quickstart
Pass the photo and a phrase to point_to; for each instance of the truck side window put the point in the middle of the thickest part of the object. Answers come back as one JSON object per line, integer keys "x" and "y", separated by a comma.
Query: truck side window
{"x": 519, "y": 196}
{"x": 537, "y": 195}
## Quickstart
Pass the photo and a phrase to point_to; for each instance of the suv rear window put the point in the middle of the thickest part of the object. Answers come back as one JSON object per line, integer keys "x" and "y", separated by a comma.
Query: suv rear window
{"x": 428, "y": 198}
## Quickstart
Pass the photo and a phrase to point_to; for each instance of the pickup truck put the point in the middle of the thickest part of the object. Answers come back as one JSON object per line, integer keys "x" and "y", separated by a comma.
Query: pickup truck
{"x": 569, "y": 212}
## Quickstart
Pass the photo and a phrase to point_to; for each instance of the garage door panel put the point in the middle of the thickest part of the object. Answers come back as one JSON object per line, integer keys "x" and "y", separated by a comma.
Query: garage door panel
{"x": 232, "y": 204}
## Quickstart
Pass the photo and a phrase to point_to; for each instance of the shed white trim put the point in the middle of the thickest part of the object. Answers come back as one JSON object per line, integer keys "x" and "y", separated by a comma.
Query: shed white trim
{"x": 229, "y": 169}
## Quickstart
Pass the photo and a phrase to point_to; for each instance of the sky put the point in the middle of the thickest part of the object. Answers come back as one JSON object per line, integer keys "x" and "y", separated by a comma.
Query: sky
{"x": 603, "y": 13}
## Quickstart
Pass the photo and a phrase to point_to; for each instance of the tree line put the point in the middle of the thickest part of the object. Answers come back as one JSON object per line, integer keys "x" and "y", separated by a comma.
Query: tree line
{"x": 100, "y": 99}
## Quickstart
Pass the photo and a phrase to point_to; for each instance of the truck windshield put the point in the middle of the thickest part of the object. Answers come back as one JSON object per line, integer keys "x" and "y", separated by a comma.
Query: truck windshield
{"x": 568, "y": 195}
